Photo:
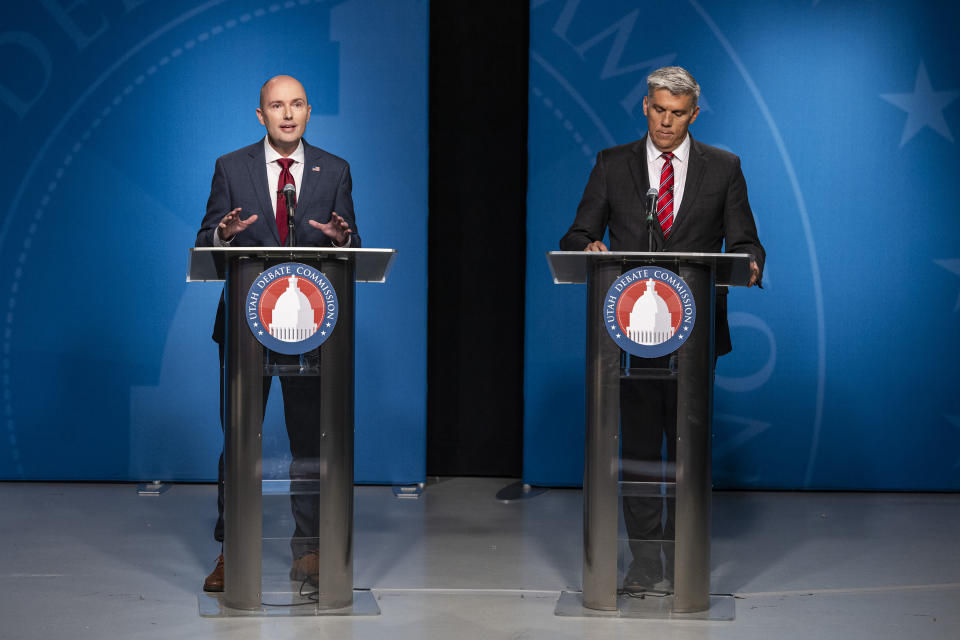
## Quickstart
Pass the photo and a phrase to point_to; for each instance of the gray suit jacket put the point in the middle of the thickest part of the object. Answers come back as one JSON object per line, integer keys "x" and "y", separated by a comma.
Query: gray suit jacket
{"x": 714, "y": 211}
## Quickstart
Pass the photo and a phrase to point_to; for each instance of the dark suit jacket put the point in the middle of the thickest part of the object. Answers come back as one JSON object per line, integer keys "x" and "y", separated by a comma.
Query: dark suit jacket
{"x": 240, "y": 180}
{"x": 714, "y": 210}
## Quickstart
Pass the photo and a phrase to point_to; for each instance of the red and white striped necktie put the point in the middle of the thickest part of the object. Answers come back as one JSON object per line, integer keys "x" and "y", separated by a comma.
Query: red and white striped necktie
{"x": 665, "y": 196}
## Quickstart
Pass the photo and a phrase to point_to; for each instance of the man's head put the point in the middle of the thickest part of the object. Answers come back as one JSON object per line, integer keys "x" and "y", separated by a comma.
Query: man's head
{"x": 670, "y": 106}
{"x": 284, "y": 111}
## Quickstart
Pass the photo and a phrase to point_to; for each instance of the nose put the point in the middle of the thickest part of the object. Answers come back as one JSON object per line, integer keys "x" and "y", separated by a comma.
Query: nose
{"x": 287, "y": 112}
{"x": 667, "y": 119}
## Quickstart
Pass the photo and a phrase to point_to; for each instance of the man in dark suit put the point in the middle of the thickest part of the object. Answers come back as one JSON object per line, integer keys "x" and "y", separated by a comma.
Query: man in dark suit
{"x": 249, "y": 182}
{"x": 702, "y": 206}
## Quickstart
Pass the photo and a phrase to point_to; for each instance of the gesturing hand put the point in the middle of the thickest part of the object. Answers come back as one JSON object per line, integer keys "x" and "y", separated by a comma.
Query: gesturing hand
{"x": 231, "y": 224}
{"x": 336, "y": 229}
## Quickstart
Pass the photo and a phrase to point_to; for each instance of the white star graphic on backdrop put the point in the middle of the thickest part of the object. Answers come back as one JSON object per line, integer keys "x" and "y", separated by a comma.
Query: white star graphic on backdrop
{"x": 924, "y": 106}
{"x": 953, "y": 266}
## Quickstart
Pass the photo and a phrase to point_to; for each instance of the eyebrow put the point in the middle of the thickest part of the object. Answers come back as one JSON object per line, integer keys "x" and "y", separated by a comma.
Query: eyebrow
{"x": 663, "y": 108}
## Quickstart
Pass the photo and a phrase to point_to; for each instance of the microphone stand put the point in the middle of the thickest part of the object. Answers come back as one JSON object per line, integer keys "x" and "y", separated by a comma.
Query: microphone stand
{"x": 289, "y": 195}
{"x": 650, "y": 233}
{"x": 291, "y": 240}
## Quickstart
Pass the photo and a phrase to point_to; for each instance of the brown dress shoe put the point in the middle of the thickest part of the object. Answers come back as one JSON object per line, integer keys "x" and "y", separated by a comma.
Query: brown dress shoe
{"x": 214, "y": 581}
{"x": 306, "y": 568}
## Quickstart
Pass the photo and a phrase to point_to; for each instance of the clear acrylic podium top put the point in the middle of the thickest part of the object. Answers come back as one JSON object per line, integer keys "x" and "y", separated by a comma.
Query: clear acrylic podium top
{"x": 206, "y": 264}
{"x": 572, "y": 267}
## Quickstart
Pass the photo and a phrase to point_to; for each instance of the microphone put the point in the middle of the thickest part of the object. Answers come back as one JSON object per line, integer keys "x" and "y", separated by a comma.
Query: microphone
{"x": 651, "y": 203}
{"x": 651, "y": 209}
{"x": 290, "y": 193}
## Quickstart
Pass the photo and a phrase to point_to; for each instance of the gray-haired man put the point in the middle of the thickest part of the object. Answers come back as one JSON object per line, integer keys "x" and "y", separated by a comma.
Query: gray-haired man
{"x": 702, "y": 207}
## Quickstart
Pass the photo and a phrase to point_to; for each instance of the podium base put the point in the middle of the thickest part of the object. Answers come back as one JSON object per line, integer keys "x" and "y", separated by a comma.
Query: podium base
{"x": 282, "y": 604}
{"x": 648, "y": 606}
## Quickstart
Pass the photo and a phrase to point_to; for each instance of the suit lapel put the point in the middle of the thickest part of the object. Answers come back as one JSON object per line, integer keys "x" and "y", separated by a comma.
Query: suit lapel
{"x": 312, "y": 170}
{"x": 695, "y": 173}
{"x": 638, "y": 167}
{"x": 257, "y": 167}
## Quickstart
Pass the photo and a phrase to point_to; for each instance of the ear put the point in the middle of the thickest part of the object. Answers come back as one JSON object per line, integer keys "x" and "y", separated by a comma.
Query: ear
{"x": 644, "y": 105}
{"x": 696, "y": 111}
{"x": 308, "y": 113}
{"x": 260, "y": 117}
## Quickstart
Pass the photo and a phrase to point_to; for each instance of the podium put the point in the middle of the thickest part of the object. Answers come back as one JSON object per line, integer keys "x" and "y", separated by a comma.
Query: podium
{"x": 242, "y": 417}
{"x": 691, "y": 598}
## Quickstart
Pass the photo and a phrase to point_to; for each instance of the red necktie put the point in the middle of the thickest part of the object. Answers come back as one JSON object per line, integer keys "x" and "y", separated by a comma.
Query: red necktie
{"x": 665, "y": 196}
{"x": 285, "y": 178}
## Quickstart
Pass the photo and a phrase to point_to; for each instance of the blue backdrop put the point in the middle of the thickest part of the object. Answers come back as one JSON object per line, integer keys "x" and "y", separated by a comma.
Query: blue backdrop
{"x": 844, "y": 113}
{"x": 113, "y": 115}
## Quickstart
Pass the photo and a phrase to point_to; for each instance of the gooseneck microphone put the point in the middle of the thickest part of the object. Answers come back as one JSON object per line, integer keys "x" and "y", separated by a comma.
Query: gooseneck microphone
{"x": 651, "y": 210}
{"x": 290, "y": 193}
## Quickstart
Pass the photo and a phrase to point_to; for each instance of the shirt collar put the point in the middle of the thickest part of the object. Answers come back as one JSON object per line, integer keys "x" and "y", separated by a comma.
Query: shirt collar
{"x": 272, "y": 155}
{"x": 681, "y": 153}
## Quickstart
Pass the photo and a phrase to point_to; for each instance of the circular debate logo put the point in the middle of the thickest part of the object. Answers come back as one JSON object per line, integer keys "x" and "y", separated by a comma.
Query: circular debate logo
{"x": 649, "y": 311}
{"x": 291, "y": 308}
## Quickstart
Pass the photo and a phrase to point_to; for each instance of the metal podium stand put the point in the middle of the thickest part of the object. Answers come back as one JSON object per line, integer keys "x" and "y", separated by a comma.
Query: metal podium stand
{"x": 243, "y": 410}
{"x": 691, "y": 599}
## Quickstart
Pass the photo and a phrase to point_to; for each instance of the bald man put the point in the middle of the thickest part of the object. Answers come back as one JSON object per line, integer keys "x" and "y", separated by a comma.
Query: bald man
{"x": 242, "y": 212}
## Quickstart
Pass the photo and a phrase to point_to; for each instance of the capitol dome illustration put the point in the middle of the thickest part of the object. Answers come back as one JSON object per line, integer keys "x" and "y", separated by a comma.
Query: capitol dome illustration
{"x": 292, "y": 315}
{"x": 650, "y": 320}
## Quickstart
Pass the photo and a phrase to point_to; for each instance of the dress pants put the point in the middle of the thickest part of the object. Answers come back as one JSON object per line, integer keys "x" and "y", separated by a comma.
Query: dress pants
{"x": 648, "y": 432}
{"x": 301, "y": 411}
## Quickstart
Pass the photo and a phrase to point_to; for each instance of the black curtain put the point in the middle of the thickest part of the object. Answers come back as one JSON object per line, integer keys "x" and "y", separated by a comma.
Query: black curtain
{"x": 477, "y": 237}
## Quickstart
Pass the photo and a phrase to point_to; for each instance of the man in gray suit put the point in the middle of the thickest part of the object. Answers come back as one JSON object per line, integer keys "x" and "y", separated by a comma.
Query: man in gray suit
{"x": 249, "y": 182}
{"x": 702, "y": 206}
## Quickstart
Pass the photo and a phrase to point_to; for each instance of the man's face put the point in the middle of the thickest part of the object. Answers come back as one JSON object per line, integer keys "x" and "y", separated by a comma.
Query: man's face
{"x": 284, "y": 112}
{"x": 668, "y": 117}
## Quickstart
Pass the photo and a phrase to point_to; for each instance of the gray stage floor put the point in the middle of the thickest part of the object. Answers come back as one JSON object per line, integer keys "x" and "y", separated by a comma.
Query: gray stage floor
{"x": 98, "y": 561}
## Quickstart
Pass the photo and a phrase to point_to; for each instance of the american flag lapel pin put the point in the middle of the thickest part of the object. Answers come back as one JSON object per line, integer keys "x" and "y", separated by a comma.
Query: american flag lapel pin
{"x": 316, "y": 169}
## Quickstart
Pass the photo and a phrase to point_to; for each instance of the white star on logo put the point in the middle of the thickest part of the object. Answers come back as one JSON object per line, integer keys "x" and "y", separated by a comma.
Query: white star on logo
{"x": 619, "y": 336}
{"x": 924, "y": 107}
{"x": 255, "y": 324}
{"x": 323, "y": 333}
{"x": 259, "y": 333}
{"x": 328, "y": 325}
{"x": 953, "y": 266}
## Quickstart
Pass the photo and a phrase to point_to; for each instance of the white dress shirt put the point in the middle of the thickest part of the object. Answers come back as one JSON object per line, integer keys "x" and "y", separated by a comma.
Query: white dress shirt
{"x": 681, "y": 162}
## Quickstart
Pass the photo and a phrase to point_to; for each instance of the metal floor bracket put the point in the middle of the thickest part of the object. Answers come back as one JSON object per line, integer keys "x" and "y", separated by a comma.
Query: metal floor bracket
{"x": 155, "y": 488}
{"x": 519, "y": 491}
{"x": 408, "y": 490}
